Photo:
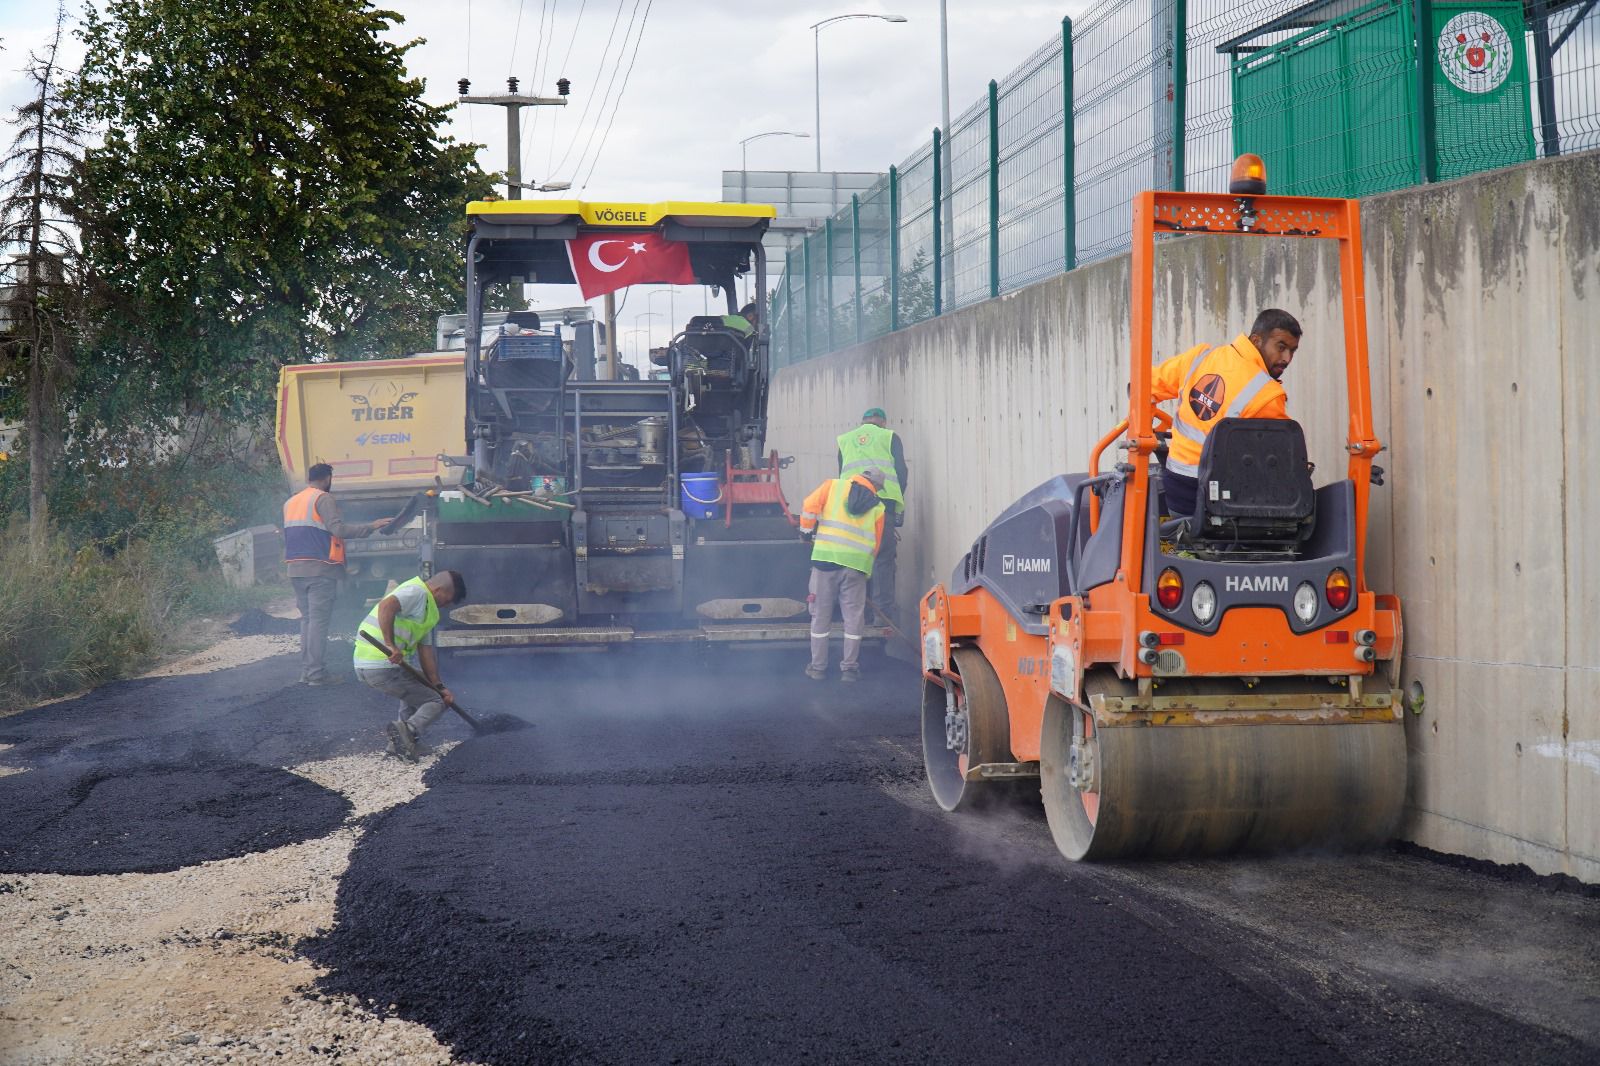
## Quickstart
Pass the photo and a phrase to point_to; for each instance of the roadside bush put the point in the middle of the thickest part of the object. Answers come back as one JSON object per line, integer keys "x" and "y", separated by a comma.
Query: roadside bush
{"x": 71, "y": 619}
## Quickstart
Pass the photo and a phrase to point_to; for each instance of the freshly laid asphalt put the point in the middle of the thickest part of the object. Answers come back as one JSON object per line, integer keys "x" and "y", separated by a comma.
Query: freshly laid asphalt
{"x": 696, "y": 858}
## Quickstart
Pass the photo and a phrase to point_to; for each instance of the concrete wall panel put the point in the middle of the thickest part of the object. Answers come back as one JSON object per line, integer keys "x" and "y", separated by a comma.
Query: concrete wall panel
{"x": 1483, "y": 311}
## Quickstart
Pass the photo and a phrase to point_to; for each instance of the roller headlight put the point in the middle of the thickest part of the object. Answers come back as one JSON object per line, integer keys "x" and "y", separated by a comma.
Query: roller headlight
{"x": 1305, "y": 602}
{"x": 1204, "y": 603}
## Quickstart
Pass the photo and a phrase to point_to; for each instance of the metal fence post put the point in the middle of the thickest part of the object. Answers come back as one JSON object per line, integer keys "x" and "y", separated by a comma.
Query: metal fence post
{"x": 827, "y": 251}
{"x": 810, "y": 300}
{"x": 994, "y": 188}
{"x": 938, "y": 243}
{"x": 1544, "y": 75}
{"x": 1069, "y": 139}
{"x": 894, "y": 249}
{"x": 788, "y": 306}
{"x": 855, "y": 254}
{"x": 1427, "y": 165}
{"x": 1180, "y": 88}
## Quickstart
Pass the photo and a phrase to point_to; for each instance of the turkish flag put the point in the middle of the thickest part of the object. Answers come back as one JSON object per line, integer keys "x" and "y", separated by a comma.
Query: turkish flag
{"x": 603, "y": 263}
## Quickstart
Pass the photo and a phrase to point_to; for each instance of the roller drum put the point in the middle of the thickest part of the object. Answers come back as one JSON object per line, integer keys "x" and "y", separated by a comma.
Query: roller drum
{"x": 1207, "y": 789}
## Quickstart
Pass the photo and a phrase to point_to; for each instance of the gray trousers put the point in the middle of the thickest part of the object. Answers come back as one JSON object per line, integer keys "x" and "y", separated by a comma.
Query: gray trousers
{"x": 420, "y": 706}
{"x": 314, "y": 596}
{"x": 847, "y": 588}
{"x": 881, "y": 586}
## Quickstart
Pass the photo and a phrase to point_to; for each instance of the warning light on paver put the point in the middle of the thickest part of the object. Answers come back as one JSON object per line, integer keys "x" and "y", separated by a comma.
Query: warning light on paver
{"x": 1248, "y": 177}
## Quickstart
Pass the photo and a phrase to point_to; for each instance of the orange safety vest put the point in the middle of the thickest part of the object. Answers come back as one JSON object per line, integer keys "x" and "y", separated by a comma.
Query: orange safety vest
{"x": 1210, "y": 384}
{"x": 306, "y": 537}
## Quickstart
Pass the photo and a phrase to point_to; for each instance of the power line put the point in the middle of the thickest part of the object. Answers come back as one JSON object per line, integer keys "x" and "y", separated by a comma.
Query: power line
{"x": 555, "y": 121}
{"x": 516, "y": 35}
{"x": 589, "y": 97}
{"x": 541, "y": 57}
{"x": 611, "y": 82}
{"x": 637, "y": 41}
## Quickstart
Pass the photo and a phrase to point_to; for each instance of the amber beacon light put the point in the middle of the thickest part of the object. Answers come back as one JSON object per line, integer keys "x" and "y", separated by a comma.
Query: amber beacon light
{"x": 1248, "y": 176}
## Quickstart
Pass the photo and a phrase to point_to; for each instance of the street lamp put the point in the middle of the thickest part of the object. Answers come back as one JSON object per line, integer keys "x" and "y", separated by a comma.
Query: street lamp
{"x": 549, "y": 186}
{"x": 648, "y": 330}
{"x": 816, "y": 31}
{"x": 744, "y": 154}
{"x": 672, "y": 317}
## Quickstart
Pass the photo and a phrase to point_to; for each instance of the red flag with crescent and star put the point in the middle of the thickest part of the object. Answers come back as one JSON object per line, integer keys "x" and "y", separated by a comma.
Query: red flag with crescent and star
{"x": 603, "y": 263}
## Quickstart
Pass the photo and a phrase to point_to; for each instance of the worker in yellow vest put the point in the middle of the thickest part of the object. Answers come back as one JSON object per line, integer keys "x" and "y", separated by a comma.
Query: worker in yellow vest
{"x": 313, "y": 548}
{"x": 843, "y": 520}
{"x": 873, "y": 444}
{"x": 404, "y": 621}
{"x": 1235, "y": 380}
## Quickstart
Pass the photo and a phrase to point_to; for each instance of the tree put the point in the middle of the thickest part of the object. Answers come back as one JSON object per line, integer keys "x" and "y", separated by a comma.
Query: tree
{"x": 42, "y": 305}
{"x": 271, "y": 188}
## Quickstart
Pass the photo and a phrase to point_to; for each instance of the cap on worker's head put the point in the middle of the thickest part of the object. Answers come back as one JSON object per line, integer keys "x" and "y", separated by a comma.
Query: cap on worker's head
{"x": 873, "y": 412}
{"x": 875, "y": 475}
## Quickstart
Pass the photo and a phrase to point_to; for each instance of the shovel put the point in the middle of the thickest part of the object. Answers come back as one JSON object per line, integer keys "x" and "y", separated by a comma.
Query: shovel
{"x": 416, "y": 675}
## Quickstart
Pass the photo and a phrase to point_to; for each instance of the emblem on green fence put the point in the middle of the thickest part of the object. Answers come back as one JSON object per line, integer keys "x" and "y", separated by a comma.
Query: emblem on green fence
{"x": 1475, "y": 52}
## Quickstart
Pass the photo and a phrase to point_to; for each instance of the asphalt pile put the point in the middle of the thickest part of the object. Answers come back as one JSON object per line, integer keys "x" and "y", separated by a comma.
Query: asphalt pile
{"x": 255, "y": 622}
{"x": 147, "y": 819}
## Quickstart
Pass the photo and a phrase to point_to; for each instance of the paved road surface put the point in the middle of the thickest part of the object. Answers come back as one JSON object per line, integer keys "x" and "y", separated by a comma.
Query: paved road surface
{"x": 696, "y": 859}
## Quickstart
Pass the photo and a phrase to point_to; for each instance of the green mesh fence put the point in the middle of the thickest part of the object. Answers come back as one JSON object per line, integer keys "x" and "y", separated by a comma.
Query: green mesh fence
{"x": 1035, "y": 177}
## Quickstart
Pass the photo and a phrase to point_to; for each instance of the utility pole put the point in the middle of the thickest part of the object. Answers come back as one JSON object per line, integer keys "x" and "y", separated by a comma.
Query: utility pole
{"x": 514, "y": 102}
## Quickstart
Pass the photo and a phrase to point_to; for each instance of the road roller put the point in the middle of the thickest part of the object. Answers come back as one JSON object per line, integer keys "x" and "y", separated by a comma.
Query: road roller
{"x": 1217, "y": 682}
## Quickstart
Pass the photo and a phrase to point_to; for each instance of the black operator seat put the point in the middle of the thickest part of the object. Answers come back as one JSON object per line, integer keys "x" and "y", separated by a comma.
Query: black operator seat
{"x": 724, "y": 348}
{"x": 1254, "y": 484}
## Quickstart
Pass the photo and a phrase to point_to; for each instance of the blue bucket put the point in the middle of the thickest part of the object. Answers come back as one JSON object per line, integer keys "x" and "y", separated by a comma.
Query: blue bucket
{"x": 702, "y": 495}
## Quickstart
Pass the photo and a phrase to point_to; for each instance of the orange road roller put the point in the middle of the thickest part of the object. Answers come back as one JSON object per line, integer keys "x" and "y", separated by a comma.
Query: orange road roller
{"x": 1216, "y": 682}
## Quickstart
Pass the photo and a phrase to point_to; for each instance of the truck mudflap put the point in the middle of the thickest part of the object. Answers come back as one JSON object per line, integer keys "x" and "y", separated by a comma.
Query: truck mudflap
{"x": 768, "y": 634}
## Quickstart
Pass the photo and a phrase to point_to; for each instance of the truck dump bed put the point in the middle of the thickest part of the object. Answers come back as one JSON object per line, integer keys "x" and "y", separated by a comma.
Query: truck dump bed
{"x": 380, "y": 423}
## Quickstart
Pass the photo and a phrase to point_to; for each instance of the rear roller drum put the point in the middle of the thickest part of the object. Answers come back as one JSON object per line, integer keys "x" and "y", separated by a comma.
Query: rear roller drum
{"x": 1141, "y": 790}
{"x": 963, "y": 726}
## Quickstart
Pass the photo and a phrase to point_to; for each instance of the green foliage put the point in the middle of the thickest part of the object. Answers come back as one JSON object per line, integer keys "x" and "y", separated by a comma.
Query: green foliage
{"x": 177, "y": 500}
{"x": 81, "y": 617}
{"x": 271, "y": 189}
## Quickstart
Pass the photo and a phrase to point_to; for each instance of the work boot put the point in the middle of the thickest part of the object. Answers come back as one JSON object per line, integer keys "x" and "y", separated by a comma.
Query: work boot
{"x": 816, "y": 674}
{"x": 849, "y": 674}
{"x": 402, "y": 741}
{"x": 326, "y": 679}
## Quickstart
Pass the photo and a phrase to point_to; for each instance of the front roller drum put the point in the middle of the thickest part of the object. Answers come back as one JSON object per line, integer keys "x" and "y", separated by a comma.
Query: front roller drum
{"x": 964, "y": 724}
{"x": 1164, "y": 790}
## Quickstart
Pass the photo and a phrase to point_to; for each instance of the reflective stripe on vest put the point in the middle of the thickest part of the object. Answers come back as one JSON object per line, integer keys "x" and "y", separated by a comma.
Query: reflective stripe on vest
{"x": 843, "y": 538}
{"x": 306, "y": 537}
{"x": 1189, "y": 431}
{"x": 408, "y": 633}
{"x": 869, "y": 446}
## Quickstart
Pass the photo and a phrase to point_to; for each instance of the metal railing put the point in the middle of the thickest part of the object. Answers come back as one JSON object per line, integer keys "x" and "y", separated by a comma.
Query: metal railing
{"x": 1141, "y": 94}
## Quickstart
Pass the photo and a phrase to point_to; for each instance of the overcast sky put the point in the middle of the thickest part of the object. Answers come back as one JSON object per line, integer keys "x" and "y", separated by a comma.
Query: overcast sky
{"x": 705, "y": 74}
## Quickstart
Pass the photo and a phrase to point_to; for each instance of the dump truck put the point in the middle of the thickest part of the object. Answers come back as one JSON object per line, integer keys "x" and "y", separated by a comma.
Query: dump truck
{"x": 1196, "y": 685}
{"x": 382, "y": 425}
{"x": 611, "y": 512}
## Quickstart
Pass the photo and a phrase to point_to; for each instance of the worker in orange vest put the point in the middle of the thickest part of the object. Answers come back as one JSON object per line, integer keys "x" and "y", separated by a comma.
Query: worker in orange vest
{"x": 313, "y": 548}
{"x": 1235, "y": 380}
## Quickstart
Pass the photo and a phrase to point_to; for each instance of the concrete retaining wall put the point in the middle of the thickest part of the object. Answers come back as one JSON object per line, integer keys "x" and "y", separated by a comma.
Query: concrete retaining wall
{"x": 1483, "y": 311}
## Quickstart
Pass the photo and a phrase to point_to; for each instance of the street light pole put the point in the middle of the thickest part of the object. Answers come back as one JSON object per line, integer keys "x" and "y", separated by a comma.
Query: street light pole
{"x": 948, "y": 207}
{"x": 744, "y": 157}
{"x": 816, "y": 55}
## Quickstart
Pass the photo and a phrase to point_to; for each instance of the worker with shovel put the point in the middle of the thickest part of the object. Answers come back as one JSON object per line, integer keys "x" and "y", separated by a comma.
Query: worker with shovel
{"x": 401, "y": 622}
{"x": 843, "y": 520}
